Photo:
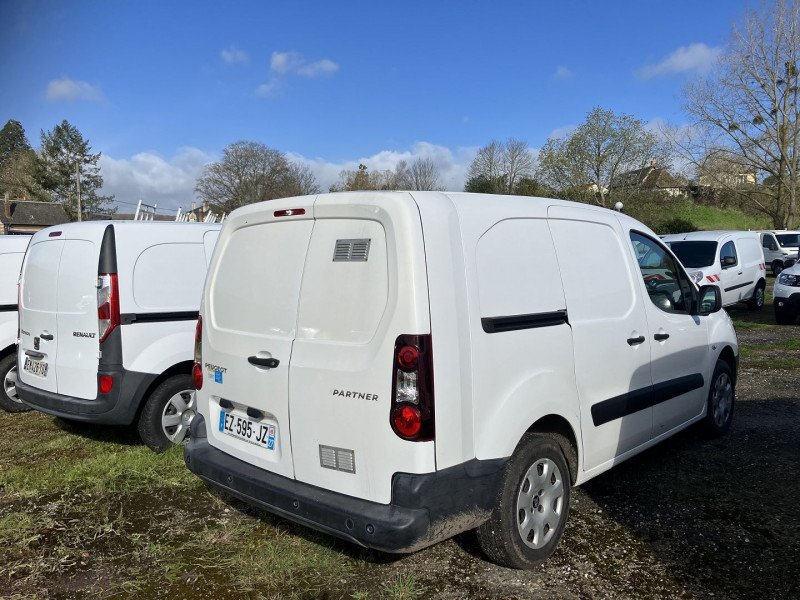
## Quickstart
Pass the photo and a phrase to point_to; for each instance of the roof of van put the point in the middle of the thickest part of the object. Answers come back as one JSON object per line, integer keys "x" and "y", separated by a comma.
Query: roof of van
{"x": 707, "y": 236}
{"x": 72, "y": 227}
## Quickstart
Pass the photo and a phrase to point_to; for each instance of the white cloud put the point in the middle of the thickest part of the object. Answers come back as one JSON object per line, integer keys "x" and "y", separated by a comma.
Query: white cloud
{"x": 147, "y": 176}
{"x": 285, "y": 64}
{"x": 71, "y": 91}
{"x": 452, "y": 165}
{"x": 562, "y": 132}
{"x": 694, "y": 57}
{"x": 562, "y": 72}
{"x": 234, "y": 56}
{"x": 321, "y": 67}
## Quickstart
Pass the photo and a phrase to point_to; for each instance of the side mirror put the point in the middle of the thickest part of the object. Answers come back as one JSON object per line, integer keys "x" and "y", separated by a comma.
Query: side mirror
{"x": 709, "y": 300}
{"x": 728, "y": 261}
{"x": 772, "y": 246}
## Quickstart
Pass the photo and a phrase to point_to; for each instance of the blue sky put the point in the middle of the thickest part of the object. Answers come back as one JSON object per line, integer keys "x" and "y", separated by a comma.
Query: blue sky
{"x": 160, "y": 88}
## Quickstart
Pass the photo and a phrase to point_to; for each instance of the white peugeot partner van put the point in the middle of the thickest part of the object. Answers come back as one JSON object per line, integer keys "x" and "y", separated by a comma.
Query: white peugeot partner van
{"x": 780, "y": 249}
{"x": 393, "y": 368}
{"x": 12, "y": 249}
{"x": 107, "y": 315}
{"x": 733, "y": 260}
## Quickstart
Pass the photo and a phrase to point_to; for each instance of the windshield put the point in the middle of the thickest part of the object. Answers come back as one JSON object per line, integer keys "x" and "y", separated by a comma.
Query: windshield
{"x": 694, "y": 255}
{"x": 791, "y": 240}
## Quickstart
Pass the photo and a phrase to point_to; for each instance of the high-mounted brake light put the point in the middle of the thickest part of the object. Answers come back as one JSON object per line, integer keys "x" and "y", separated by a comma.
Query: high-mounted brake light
{"x": 107, "y": 304}
{"x": 289, "y": 212}
{"x": 197, "y": 369}
{"x": 412, "y": 411}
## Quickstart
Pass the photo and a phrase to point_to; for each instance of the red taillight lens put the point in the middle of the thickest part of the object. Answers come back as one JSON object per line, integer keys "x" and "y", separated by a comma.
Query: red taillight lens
{"x": 408, "y": 357}
{"x": 197, "y": 376}
{"x": 106, "y": 383}
{"x": 412, "y": 409}
{"x": 107, "y": 304}
{"x": 198, "y": 341}
{"x": 407, "y": 420}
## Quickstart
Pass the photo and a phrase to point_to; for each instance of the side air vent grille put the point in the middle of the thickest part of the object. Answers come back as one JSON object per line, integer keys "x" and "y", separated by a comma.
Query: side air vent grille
{"x": 351, "y": 251}
{"x": 338, "y": 459}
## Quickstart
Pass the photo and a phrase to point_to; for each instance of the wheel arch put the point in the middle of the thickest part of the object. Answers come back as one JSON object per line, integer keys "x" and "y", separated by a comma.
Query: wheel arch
{"x": 727, "y": 355}
{"x": 7, "y": 350}
{"x": 560, "y": 430}
{"x": 181, "y": 368}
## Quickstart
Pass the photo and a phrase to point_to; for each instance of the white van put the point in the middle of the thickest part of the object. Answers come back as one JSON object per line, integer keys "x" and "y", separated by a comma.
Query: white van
{"x": 393, "y": 368}
{"x": 733, "y": 260}
{"x": 12, "y": 249}
{"x": 107, "y": 317}
{"x": 780, "y": 249}
{"x": 786, "y": 295}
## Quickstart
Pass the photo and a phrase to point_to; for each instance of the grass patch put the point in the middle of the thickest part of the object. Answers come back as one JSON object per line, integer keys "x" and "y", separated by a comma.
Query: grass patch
{"x": 784, "y": 364}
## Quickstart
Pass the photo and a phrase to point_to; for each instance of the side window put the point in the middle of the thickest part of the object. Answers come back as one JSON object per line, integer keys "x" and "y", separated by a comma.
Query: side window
{"x": 727, "y": 256}
{"x": 666, "y": 283}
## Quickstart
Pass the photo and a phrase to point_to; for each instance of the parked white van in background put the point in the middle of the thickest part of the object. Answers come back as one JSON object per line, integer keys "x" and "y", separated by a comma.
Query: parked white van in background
{"x": 107, "y": 318}
{"x": 733, "y": 260}
{"x": 780, "y": 249}
{"x": 786, "y": 295}
{"x": 393, "y": 368}
{"x": 12, "y": 249}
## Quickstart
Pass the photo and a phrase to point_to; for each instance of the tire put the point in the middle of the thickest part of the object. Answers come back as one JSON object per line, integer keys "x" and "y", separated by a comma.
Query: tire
{"x": 721, "y": 399}
{"x": 757, "y": 301}
{"x": 785, "y": 316}
{"x": 9, "y": 400}
{"x": 532, "y": 506}
{"x": 776, "y": 268}
{"x": 167, "y": 413}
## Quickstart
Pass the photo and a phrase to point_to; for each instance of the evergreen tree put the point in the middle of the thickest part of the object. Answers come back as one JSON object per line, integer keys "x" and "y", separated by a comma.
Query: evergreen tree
{"x": 67, "y": 162}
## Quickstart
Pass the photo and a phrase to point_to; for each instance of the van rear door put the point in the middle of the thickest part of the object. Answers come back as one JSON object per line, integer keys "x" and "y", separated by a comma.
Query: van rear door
{"x": 251, "y": 312}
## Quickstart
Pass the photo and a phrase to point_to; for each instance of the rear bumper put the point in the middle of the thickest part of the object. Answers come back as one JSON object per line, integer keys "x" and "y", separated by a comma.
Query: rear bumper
{"x": 425, "y": 509}
{"x": 118, "y": 407}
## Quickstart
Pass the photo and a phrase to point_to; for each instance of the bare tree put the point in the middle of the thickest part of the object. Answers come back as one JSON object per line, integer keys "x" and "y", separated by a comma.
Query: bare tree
{"x": 423, "y": 174}
{"x": 746, "y": 112}
{"x": 251, "y": 172}
{"x": 499, "y": 166}
{"x": 601, "y": 149}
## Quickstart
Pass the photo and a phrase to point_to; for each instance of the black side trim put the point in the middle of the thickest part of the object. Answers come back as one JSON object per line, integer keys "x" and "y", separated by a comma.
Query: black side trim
{"x": 636, "y": 400}
{"x": 8, "y": 307}
{"x": 108, "y": 252}
{"x": 736, "y": 287}
{"x": 158, "y": 317}
{"x": 515, "y": 322}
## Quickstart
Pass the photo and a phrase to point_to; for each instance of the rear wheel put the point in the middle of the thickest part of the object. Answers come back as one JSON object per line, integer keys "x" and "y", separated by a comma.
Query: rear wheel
{"x": 721, "y": 398}
{"x": 777, "y": 267}
{"x": 529, "y": 517}
{"x": 168, "y": 413}
{"x": 9, "y": 400}
{"x": 757, "y": 301}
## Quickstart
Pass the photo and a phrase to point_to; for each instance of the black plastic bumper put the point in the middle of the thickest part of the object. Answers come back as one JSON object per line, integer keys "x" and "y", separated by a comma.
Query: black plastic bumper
{"x": 425, "y": 509}
{"x": 118, "y": 407}
{"x": 792, "y": 302}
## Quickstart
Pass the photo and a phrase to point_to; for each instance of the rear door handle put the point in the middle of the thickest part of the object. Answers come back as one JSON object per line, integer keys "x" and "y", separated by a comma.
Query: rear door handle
{"x": 660, "y": 337}
{"x": 269, "y": 363}
{"x": 636, "y": 341}
{"x": 47, "y": 336}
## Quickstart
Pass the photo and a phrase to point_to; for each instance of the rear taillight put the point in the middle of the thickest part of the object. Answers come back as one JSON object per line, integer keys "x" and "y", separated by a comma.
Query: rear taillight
{"x": 412, "y": 414}
{"x": 107, "y": 304}
{"x": 197, "y": 369}
{"x": 105, "y": 383}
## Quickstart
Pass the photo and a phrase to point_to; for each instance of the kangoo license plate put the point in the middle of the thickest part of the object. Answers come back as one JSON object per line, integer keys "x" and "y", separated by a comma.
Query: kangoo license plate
{"x": 260, "y": 434}
{"x": 35, "y": 367}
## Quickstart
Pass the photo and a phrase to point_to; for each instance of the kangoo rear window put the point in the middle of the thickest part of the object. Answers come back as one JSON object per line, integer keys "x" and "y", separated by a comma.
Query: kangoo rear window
{"x": 695, "y": 255}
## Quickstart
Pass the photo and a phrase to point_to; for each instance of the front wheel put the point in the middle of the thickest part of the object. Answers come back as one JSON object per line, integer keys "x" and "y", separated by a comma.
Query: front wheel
{"x": 721, "y": 399}
{"x": 9, "y": 400}
{"x": 168, "y": 413}
{"x": 757, "y": 301}
{"x": 530, "y": 515}
{"x": 777, "y": 268}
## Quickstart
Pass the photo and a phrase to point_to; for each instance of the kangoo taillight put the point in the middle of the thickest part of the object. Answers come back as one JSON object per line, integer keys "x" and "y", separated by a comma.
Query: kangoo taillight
{"x": 107, "y": 304}
{"x": 412, "y": 407}
{"x": 197, "y": 369}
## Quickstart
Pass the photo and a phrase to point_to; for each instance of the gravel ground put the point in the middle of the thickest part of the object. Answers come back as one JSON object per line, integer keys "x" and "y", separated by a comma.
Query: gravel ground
{"x": 689, "y": 518}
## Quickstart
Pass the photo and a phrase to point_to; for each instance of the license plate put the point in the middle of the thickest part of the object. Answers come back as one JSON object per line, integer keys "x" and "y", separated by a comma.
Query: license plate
{"x": 35, "y": 367}
{"x": 260, "y": 434}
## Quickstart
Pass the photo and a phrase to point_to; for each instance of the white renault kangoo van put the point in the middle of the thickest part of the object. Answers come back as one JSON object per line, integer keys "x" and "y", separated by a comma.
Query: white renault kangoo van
{"x": 733, "y": 260}
{"x": 780, "y": 249}
{"x": 12, "y": 249}
{"x": 393, "y": 368}
{"x": 107, "y": 316}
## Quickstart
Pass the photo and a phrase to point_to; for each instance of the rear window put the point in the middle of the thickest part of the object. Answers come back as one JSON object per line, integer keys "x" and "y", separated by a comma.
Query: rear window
{"x": 695, "y": 255}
